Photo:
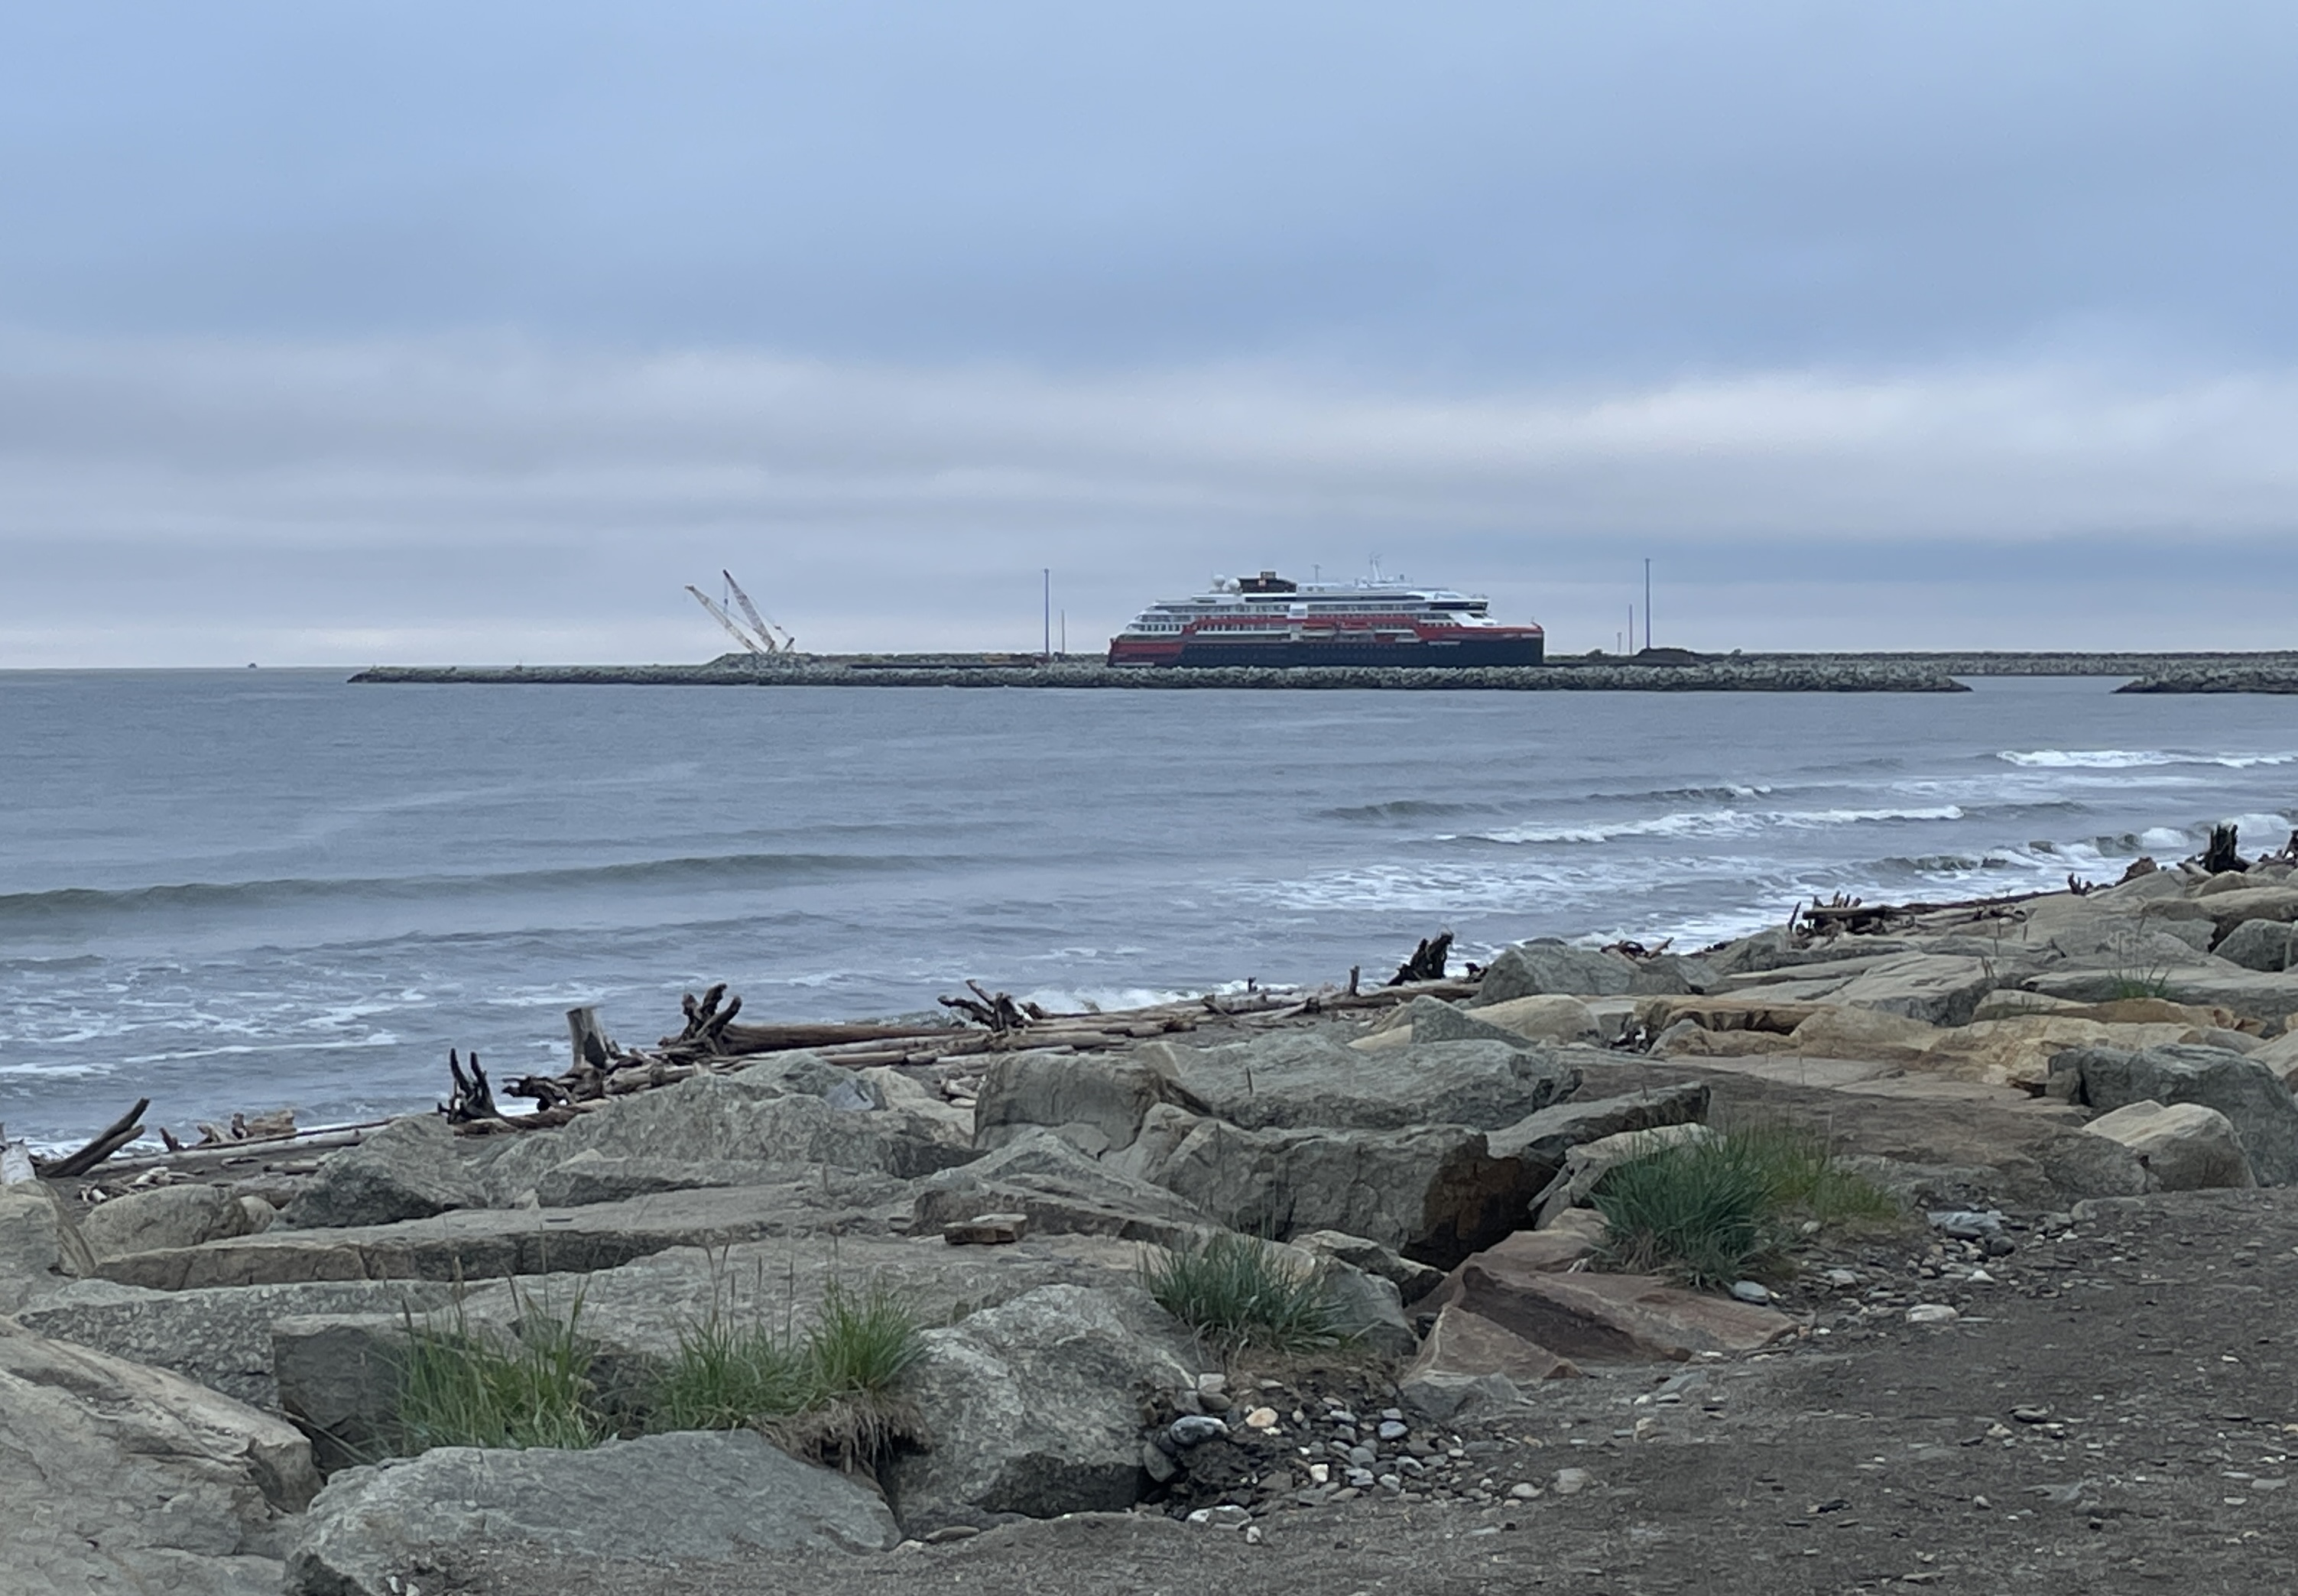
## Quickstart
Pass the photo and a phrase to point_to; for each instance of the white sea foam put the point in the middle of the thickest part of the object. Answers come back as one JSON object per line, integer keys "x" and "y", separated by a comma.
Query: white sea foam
{"x": 2133, "y": 758}
{"x": 1715, "y": 823}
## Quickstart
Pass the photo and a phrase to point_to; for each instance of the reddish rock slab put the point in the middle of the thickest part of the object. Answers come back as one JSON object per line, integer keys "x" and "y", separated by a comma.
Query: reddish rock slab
{"x": 1468, "y": 1343}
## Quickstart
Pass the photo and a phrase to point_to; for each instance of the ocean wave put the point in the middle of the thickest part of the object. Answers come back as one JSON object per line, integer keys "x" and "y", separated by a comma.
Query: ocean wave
{"x": 2133, "y": 758}
{"x": 1719, "y": 822}
{"x": 1403, "y": 809}
{"x": 721, "y": 871}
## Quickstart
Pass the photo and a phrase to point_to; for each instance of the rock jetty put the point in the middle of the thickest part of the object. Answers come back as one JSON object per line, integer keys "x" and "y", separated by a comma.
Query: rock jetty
{"x": 202, "y": 1375}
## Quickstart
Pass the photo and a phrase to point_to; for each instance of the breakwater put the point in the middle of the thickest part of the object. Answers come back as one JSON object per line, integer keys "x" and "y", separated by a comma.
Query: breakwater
{"x": 1673, "y": 671}
{"x": 1776, "y": 674}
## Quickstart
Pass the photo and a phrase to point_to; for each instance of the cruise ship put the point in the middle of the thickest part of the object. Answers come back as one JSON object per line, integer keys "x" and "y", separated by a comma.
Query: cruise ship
{"x": 1268, "y": 621}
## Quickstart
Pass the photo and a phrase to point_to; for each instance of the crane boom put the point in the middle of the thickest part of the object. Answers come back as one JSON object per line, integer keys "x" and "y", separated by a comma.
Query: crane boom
{"x": 723, "y": 619}
{"x": 777, "y": 640}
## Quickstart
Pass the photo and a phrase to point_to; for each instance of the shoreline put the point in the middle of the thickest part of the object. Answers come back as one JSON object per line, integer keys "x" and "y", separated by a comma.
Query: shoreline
{"x": 1894, "y": 673}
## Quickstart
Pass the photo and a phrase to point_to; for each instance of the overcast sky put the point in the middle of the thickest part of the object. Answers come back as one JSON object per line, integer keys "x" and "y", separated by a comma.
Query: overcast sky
{"x": 362, "y": 331}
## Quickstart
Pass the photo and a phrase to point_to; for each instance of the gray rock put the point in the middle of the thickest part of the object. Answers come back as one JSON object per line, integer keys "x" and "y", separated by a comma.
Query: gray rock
{"x": 685, "y": 1499}
{"x": 1096, "y": 1104}
{"x": 1546, "y": 1137}
{"x": 592, "y": 1176}
{"x": 2185, "y": 1146}
{"x": 40, "y": 1247}
{"x": 1034, "y": 1407}
{"x": 1434, "y": 1192}
{"x": 2248, "y": 1093}
{"x": 1411, "y": 1279}
{"x": 1306, "y": 1079}
{"x": 171, "y": 1216}
{"x": 1036, "y": 1172}
{"x": 1531, "y": 968}
{"x": 143, "y": 1483}
{"x": 409, "y": 1170}
{"x": 220, "y": 1338}
{"x": 2261, "y": 995}
{"x": 2257, "y": 945}
{"x": 1938, "y": 989}
{"x": 1446, "y": 1397}
{"x": 339, "y": 1379}
{"x": 752, "y": 1116}
{"x": 1433, "y": 1020}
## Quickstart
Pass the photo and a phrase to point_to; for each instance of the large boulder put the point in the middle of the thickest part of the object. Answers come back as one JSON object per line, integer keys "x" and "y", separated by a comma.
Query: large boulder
{"x": 1588, "y": 1317}
{"x": 171, "y": 1216}
{"x": 221, "y": 1338}
{"x": 40, "y": 1247}
{"x": 1936, "y": 988}
{"x": 753, "y": 1116}
{"x": 1042, "y": 1175}
{"x": 1531, "y": 969}
{"x": 2247, "y": 1092}
{"x": 2263, "y": 996}
{"x": 1033, "y": 1408}
{"x": 2280, "y": 1055}
{"x": 2184, "y": 1147}
{"x": 1306, "y": 1079}
{"x": 409, "y": 1170}
{"x": 120, "y": 1478}
{"x": 1096, "y": 1104}
{"x": 1434, "y": 1192}
{"x": 1547, "y": 1017}
{"x": 1547, "y": 1136}
{"x": 687, "y": 1499}
{"x": 2257, "y": 945}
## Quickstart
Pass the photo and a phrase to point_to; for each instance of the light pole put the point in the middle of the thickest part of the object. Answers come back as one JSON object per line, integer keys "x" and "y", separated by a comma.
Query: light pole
{"x": 1049, "y": 616}
{"x": 1648, "y": 642}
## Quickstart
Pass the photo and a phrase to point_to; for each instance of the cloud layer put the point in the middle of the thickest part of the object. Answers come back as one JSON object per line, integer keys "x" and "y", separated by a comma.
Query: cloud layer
{"x": 493, "y": 500}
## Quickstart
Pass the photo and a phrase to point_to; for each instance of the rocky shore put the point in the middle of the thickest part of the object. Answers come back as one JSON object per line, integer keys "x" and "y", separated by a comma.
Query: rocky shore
{"x": 2062, "y": 1363}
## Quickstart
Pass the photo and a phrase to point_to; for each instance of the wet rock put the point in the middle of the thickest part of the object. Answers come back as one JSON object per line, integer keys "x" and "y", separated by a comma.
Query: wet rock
{"x": 690, "y": 1498}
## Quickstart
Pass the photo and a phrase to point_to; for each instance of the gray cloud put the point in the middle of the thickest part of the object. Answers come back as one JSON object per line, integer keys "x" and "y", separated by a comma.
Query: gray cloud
{"x": 199, "y": 501}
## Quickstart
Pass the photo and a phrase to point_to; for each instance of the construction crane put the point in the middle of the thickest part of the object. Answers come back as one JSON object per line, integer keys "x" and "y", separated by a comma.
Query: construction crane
{"x": 727, "y": 621}
{"x": 777, "y": 640}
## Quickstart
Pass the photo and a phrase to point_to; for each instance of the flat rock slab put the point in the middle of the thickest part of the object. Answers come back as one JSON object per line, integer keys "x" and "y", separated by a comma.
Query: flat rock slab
{"x": 480, "y": 1243}
{"x": 1605, "y": 1318}
{"x": 221, "y": 1338}
{"x": 686, "y": 1498}
{"x": 115, "y": 1477}
{"x": 1468, "y": 1345}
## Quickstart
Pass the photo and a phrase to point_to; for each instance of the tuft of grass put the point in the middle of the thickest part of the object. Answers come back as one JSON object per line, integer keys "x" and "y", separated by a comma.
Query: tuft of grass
{"x": 1236, "y": 1292}
{"x": 1716, "y": 1211}
{"x": 861, "y": 1343}
{"x": 726, "y": 1374}
{"x": 459, "y": 1388}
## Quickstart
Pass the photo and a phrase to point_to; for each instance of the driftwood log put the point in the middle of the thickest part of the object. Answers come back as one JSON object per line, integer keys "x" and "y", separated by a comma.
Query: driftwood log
{"x": 2225, "y": 851}
{"x": 1427, "y": 960}
{"x": 106, "y": 1142}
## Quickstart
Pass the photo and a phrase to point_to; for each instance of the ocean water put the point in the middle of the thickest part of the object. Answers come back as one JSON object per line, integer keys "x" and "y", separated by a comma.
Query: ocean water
{"x": 244, "y": 890}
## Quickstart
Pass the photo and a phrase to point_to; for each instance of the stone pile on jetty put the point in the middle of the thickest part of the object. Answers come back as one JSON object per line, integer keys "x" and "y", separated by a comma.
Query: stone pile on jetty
{"x": 202, "y": 1376}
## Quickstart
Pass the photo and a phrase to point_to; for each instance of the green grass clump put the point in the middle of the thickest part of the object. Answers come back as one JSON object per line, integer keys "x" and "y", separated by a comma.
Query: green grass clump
{"x": 458, "y": 1388}
{"x": 726, "y": 1374}
{"x": 861, "y": 1343}
{"x": 1237, "y": 1292}
{"x": 1718, "y": 1209}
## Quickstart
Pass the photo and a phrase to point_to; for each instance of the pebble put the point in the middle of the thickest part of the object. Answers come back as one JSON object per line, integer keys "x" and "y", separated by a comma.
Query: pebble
{"x": 1932, "y": 1313}
{"x": 1192, "y": 1428}
{"x": 1260, "y": 1418}
{"x": 1841, "y": 1277}
{"x": 1364, "y": 1457}
{"x": 1526, "y": 1491}
{"x": 1966, "y": 1224}
{"x": 1225, "y": 1517}
{"x": 1571, "y": 1482}
{"x": 1750, "y": 1291}
{"x": 2029, "y": 1413}
{"x": 1392, "y": 1429}
{"x": 1212, "y": 1385}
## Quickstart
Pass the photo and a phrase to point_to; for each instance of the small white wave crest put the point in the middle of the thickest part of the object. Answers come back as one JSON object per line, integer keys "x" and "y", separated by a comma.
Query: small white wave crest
{"x": 2133, "y": 758}
{"x": 1718, "y": 822}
